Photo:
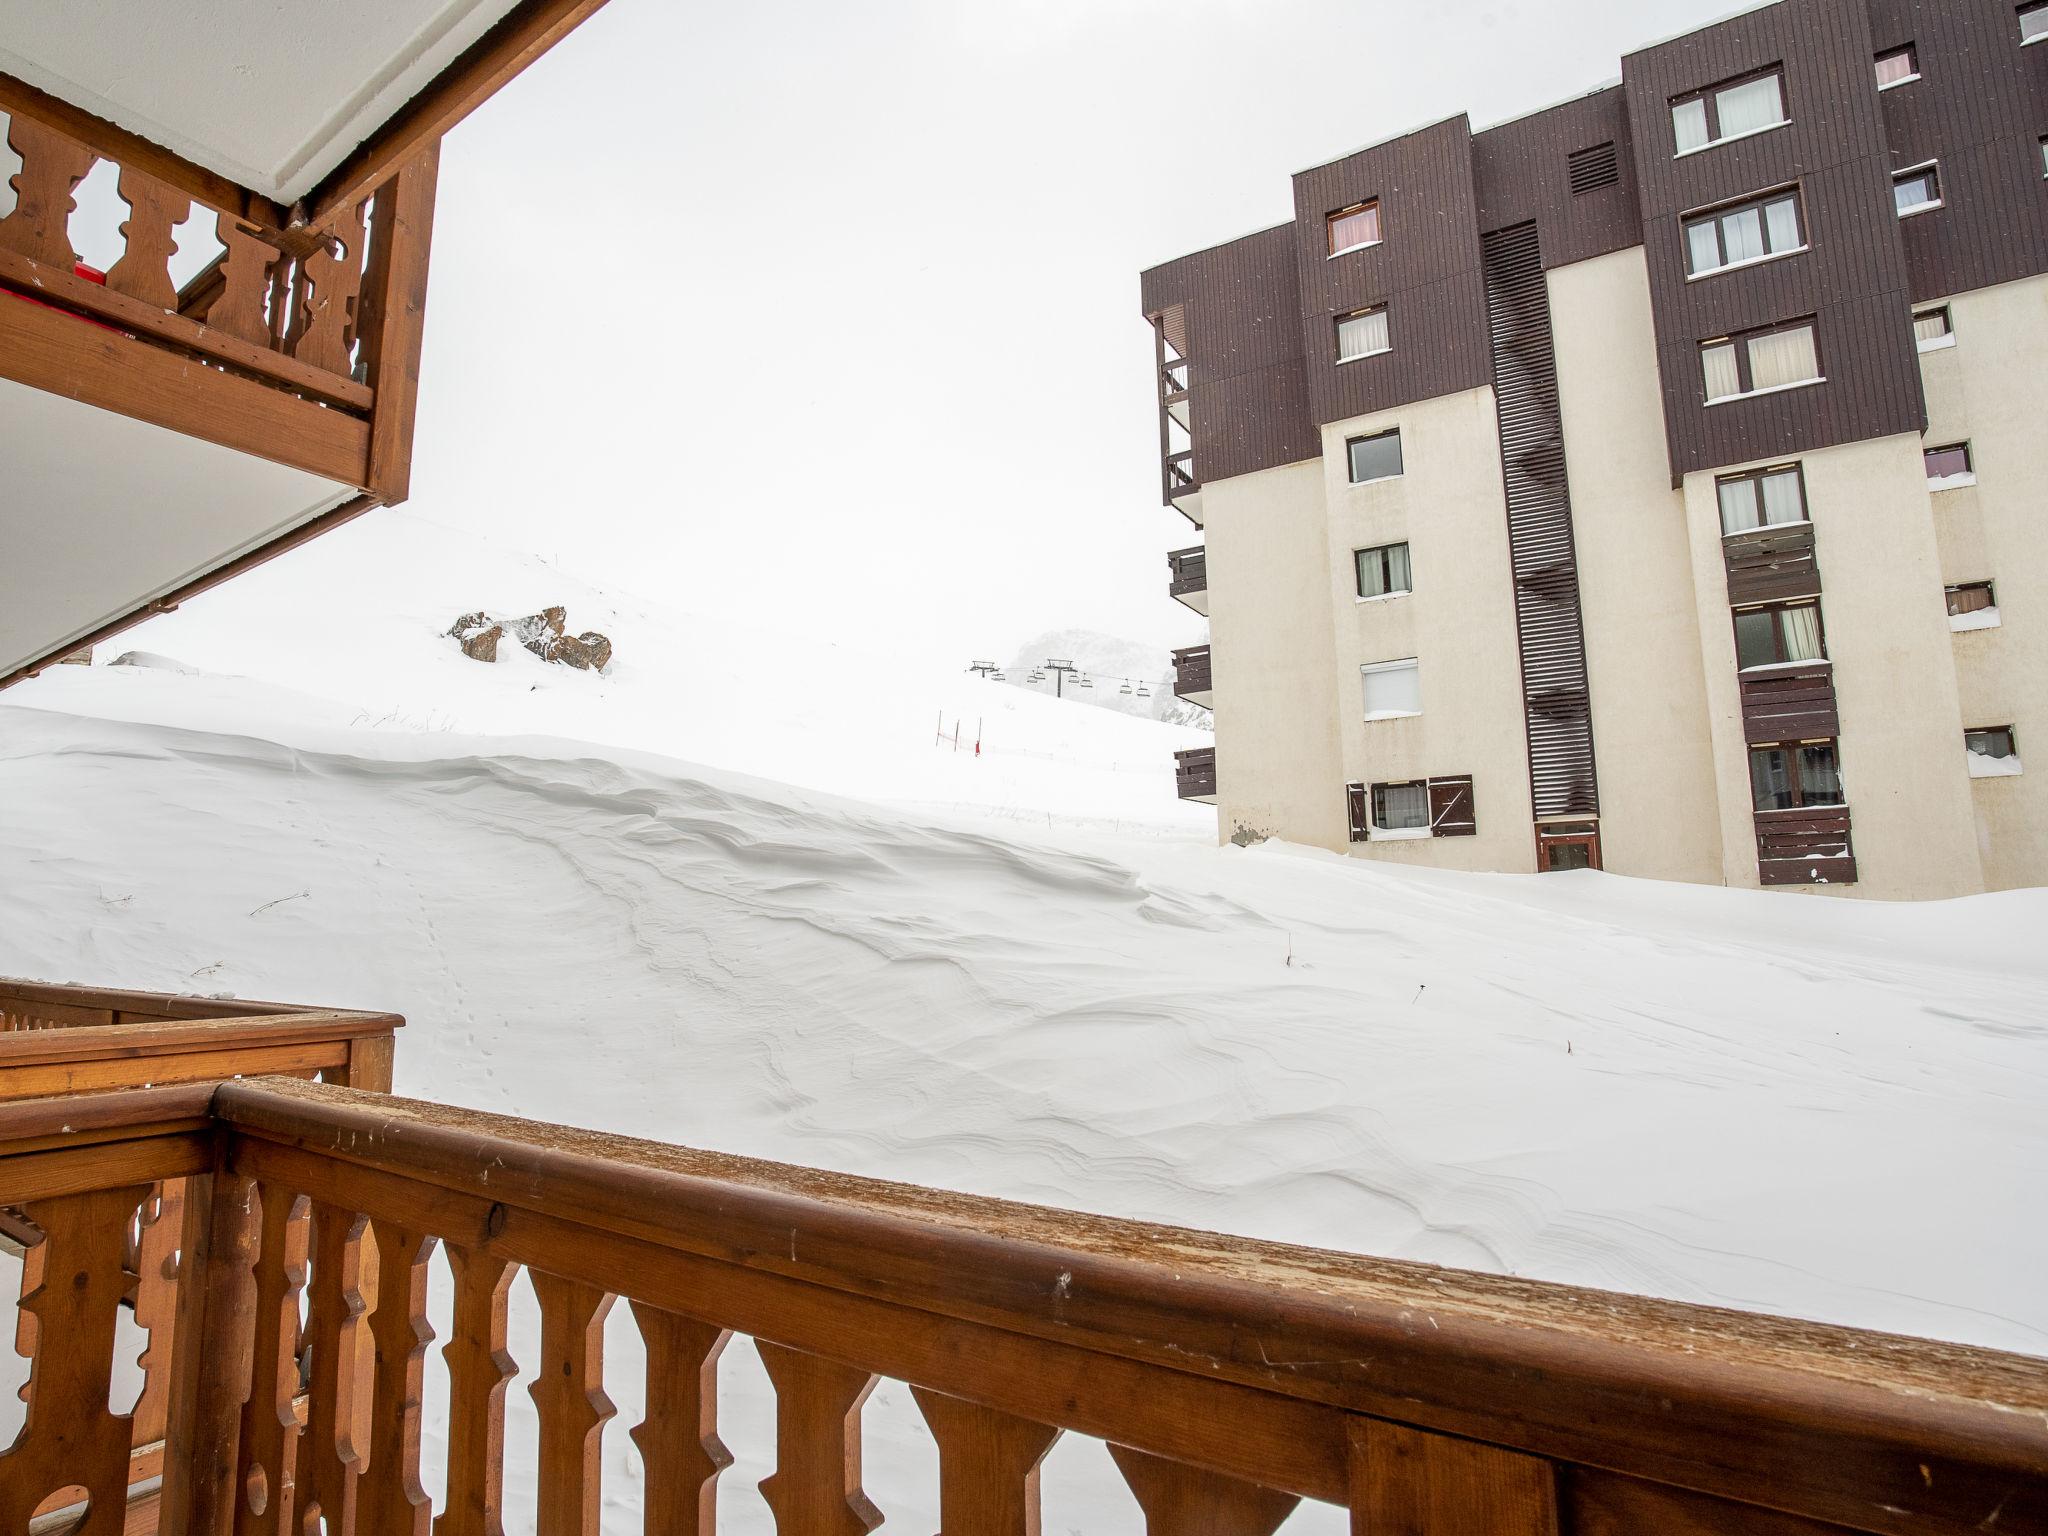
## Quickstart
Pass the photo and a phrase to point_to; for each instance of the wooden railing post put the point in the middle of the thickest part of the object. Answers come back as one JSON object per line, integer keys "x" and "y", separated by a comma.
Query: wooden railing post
{"x": 267, "y": 1455}
{"x": 815, "y": 1487}
{"x": 391, "y": 1500}
{"x": 678, "y": 1438}
{"x": 393, "y": 317}
{"x": 568, "y": 1391}
{"x": 1180, "y": 1500}
{"x": 1408, "y": 1482}
{"x": 334, "y": 1327}
{"x": 212, "y": 1358}
{"x": 478, "y": 1368}
{"x": 369, "y": 1066}
{"x": 988, "y": 1466}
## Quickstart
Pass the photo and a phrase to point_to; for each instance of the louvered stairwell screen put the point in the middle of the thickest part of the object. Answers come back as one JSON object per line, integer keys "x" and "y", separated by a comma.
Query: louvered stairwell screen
{"x": 1546, "y": 573}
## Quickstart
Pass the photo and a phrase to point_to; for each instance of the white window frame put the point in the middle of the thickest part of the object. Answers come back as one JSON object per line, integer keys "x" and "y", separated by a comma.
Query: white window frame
{"x": 1906, "y": 172}
{"x": 1912, "y": 51}
{"x": 1776, "y": 71}
{"x": 1366, "y": 437}
{"x": 1364, "y": 314}
{"x": 1719, "y": 211}
{"x": 1405, "y": 664}
{"x": 2020, "y": 13}
{"x": 1946, "y": 339}
{"x": 1379, "y": 834}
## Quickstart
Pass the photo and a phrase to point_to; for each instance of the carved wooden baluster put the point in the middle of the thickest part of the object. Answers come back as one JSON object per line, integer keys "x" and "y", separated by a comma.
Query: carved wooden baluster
{"x": 16, "y": 1224}
{"x": 678, "y": 1440}
{"x": 156, "y": 1305}
{"x": 1408, "y": 1482}
{"x": 329, "y": 281}
{"x": 478, "y": 1368}
{"x": 988, "y": 1466}
{"x": 267, "y": 1463}
{"x": 390, "y": 1499}
{"x": 243, "y": 306}
{"x": 70, "y": 1437}
{"x": 568, "y": 1389}
{"x": 1180, "y": 1500}
{"x": 328, "y": 1461}
{"x": 52, "y": 165}
{"x": 815, "y": 1487}
{"x": 144, "y": 270}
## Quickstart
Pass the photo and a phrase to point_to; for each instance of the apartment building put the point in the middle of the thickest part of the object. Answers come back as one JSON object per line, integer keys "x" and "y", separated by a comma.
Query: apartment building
{"x": 1657, "y": 482}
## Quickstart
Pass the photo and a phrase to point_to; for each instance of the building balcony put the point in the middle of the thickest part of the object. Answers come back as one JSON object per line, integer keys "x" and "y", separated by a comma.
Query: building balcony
{"x": 1183, "y": 490}
{"x": 1191, "y": 676}
{"x": 1188, "y": 578}
{"x": 278, "y": 1241}
{"x": 1791, "y": 701}
{"x": 1194, "y": 774}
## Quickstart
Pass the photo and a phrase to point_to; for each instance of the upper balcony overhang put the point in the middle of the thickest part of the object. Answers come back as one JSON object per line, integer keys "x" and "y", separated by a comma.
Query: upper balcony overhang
{"x": 168, "y": 422}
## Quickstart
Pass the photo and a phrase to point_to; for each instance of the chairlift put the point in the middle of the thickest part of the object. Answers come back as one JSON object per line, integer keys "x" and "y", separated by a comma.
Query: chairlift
{"x": 1086, "y": 682}
{"x": 1126, "y": 687}
{"x": 996, "y": 677}
{"x": 1144, "y": 692}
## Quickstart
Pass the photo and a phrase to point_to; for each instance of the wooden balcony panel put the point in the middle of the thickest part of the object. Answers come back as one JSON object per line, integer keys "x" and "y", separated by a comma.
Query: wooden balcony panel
{"x": 1771, "y": 565}
{"x": 1805, "y": 846}
{"x": 1195, "y": 773}
{"x": 1794, "y": 702}
{"x": 1188, "y": 571}
{"x": 1191, "y": 673}
{"x": 299, "y": 345}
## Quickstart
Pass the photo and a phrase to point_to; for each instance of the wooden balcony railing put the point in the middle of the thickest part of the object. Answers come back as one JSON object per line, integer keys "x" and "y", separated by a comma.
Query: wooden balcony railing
{"x": 1194, "y": 773}
{"x": 61, "y": 1039}
{"x": 1187, "y": 571}
{"x": 1231, "y": 1378}
{"x": 1191, "y": 671}
{"x": 309, "y": 335}
{"x": 1793, "y": 701}
{"x": 1805, "y": 845}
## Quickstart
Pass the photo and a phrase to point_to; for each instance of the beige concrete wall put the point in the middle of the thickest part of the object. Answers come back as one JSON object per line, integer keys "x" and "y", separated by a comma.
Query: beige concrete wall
{"x": 1986, "y": 390}
{"x": 1659, "y": 813}
{"x": 1895, "y": 683}
{"x": 1459, "y": 622}
{"x": 1279, "y": 771}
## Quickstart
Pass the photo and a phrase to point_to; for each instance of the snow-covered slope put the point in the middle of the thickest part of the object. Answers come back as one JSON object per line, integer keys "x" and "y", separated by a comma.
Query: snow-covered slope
{"x": 1830, "y": 1109}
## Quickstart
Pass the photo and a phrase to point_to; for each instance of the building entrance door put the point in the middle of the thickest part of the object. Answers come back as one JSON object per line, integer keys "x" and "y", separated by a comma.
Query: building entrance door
{"x": 1567, "y": 845}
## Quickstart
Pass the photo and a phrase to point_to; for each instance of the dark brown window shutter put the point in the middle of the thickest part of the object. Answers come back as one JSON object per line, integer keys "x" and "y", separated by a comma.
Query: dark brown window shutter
{"x": 1450, "y": 807}
{"x": 1361, "y": 811}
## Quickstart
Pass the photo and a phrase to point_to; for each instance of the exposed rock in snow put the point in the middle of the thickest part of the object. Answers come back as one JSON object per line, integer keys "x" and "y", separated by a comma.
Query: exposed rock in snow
{"x": 541, "y": 633}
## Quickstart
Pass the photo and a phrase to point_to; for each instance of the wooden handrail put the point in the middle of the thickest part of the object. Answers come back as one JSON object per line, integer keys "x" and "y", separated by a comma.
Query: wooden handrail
{"x": 1278, "y": 1366}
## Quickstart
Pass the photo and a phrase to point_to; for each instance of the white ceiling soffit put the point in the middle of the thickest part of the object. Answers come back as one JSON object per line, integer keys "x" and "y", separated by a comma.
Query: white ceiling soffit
{"x": 100, "y": 514}
{"x": 270, "y": 93}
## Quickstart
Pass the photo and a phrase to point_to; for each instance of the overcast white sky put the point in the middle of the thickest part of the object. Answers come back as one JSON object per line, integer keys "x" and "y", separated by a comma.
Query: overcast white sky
{"x": 827, "y": 314}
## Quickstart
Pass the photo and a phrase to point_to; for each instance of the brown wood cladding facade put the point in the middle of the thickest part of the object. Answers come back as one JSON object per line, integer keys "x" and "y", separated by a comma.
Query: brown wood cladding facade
{"x": 1240, "y": 329}
{"x": 1979, "y": 108}
{"x": 1425, "y": 270}
{"x": 1259, "y": 313}
{"x": 1852, "y": 275}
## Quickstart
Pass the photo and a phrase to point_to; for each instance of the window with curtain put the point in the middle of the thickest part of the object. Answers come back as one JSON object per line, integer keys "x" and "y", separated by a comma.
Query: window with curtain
{"x": 1917, "y": 190}
{"x": 1768, "y": 637}
{"x": 1383, "y": 570}
{"x": 1363, "y": 333}
{"x": 1350, "y": 228}
{"x": 1744, "y": 232}
{"x": 1400, "y": 807}
{"x": 1374, "y": 458}
{"x": 1723, "y": 375}
{"x": 1932, "y": 328}
{"x": 1729, "y": 111}
{"x": 1795, "y": 774}
{"x": 1951, "y": 461}
{"x": 2033, "y": 24}
{"x": 1897, "y": 67}
{"x": 1761, "y": 498}
{"x": 1392, "y": 689}
{"x": 1779, "y": 358}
